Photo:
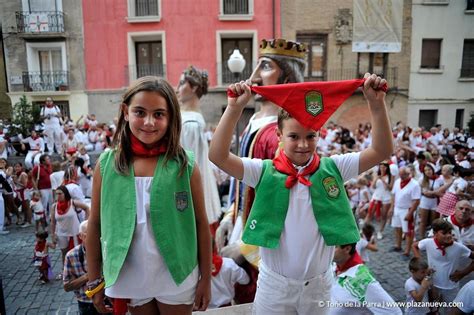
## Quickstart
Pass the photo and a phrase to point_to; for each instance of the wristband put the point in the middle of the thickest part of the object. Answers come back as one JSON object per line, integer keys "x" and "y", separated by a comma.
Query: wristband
{"x": 91, "y": 292}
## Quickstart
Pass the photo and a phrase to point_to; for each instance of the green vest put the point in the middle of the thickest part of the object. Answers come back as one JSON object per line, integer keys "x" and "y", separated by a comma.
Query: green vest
{"x": 171, "y": 214}
{"x": 331, "y": 207}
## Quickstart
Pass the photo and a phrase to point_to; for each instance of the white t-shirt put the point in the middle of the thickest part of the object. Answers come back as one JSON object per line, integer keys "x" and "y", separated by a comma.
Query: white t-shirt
{"x": 35, "y": 145}
{"x": 466, "y": 296}
{"x": 458, "y": 184}
{"x": 375, "y": 296}
{"x": 412, "y": 285}
{"x": 56, "y": 179}
{"x": 404, "y": 197}
{"x": 139, "y": 278}
{"x": 426, "y": 202}
{"x": 302, "y": 253}
{"x": 361, "y": 248}
{"x": 444, "y": 265}
{"x": 380, "y": 192}
{"x": 53, "y": 113}
{"x": 222, "y": 284}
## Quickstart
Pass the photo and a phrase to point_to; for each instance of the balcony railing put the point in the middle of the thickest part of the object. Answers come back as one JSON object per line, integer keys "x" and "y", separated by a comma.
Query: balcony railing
{"x": 40, "y": 22}
{"x": 146, "y": 8}
{"x": 46, "y": 81}
{"x": 236, "y": 6}
{"x": 230, "y": 77}
{"x": 467, "y": 73}
{"x": 133, "y": 72}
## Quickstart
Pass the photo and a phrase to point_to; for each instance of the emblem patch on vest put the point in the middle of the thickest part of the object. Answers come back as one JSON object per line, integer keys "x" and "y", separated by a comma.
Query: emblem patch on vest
{"x": 314, "y": 102}
{"x": 181, "y": 199}
{"x": 331, "y": 187}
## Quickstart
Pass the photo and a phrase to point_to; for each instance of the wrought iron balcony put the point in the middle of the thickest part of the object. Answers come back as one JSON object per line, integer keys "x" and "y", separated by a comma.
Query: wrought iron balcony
{"x": 467, "y": 73}
{"x": 235, "y": 6}
{"x": 229, "y": 77}
{"x": 40, "y": 22}
{"x": 133, "y": 72}
{"x": 46, "y": 81}
{"x": 351, "y": 73}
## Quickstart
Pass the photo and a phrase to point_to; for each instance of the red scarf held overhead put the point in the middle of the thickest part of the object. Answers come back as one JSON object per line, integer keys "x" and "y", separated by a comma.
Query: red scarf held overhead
{"x": 459, "y": 225}
{"x": 404, "y": 182}
{"x": 310, "y": 103}
{"x": 284, "y": 165}
{"x": 441, "y": 247}
{"x": 139, "y": 149}
{"x": 353, "y": 261}
{"x": 216, "y": 264}
{"x": 62, "y": 206}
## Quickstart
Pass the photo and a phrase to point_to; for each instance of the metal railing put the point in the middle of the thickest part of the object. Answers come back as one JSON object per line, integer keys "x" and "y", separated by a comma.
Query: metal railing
{"x": 230, "y": 77}
{"x": 351, "y": 73}
{"x": 146, "y": 8}
{"x": 235, "y": 6}
{"x": 467, "y": 73}
{"x": 40, "y": 22}
{"x": 133, "y": 72}
{"x": 45, "y": 81}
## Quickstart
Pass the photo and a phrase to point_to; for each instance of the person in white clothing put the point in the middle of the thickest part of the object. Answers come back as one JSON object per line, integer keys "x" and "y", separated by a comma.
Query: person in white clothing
{"x": 192, "y": 86}
{"x": 406, "y": 194}
{"x": 52, "y": 118}
{"x": 418, "y": 285}
{"x": 464, "y": 300}
{"x": 225, "y": 274}
{"x": 366, "y": 242}
{"x": 355, "y": 287}
{"x": 444, "y": 256}
{"x": 428, "y": 201}
{"x": 36, "y": 148}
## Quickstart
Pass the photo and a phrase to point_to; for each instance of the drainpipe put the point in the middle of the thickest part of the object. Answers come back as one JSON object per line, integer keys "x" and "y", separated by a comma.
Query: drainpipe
{"x": 273, "y": 18}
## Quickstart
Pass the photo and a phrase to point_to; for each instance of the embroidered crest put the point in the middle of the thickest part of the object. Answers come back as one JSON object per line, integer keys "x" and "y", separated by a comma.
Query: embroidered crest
{"x": 181, "y": 199}
{"x": 314, "y": 102}
{"x": 331, "y": 187}
{"x": 357, "y": 285}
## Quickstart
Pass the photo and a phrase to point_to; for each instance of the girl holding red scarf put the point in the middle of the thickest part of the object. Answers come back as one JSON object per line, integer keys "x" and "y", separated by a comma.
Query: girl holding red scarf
{"x": 41, "y": 257}
{"x": 65, "y": 220}
{"x": 428, "y": 200}
{"x": 300, "y": 204}
{"x": 148, "y": 233}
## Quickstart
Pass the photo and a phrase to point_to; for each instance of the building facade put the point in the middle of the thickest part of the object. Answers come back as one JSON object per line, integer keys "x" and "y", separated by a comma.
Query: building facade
{"x": 43, "y": 47}
{"x": 127, "y": 39}
{"x": 326, "y": 27}
{"x": 442, "y": 63}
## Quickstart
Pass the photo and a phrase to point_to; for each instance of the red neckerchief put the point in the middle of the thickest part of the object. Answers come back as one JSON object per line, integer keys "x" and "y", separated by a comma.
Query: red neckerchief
{"x": 353, "y": 261}
{"x": 216, "y": 264}
{"x": 50, "y": 105}
{"x": 139, "y": 149}
{"x": 69, "y": 181}
{"x": 442, "y": 248}
{"x": 405, "y": 182}
{"x": 35, "y": 199}
{"x": 62, "y": 206}
{"x": 284, "y": 165}
{"x": 459, "y": 225}
{"x": 35, "y": 137}
{"x": 40, "y": 246}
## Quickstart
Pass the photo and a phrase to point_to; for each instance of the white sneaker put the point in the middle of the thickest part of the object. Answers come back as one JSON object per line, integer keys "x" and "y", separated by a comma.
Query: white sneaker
{"x": 379, "y": 235}
{"x": 4, "y": 232}
{"x": 26, "y": 224}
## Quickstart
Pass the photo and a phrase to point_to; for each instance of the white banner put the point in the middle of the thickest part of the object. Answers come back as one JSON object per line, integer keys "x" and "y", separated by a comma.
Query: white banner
{"x": 377, "y": 26}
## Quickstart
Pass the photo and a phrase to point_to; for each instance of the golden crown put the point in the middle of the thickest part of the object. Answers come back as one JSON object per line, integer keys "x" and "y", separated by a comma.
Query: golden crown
{"x": 282, "y": 47}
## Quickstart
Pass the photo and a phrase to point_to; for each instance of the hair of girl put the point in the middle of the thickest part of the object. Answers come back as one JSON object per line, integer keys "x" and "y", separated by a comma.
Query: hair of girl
{"x": 121, "y": 141}
{"x": 67, "y": 195}
{"x": 426, "y": 180}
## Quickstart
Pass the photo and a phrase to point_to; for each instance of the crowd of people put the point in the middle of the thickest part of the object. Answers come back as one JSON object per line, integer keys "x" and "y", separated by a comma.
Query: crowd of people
{"x": 331, "y": 192}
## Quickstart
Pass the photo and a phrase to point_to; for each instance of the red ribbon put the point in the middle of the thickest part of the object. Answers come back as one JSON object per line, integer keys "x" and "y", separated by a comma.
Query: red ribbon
{"x": 284, "y": 165}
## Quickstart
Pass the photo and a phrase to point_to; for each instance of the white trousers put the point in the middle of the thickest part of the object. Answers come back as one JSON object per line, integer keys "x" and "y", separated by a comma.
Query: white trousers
{"x": 2, "y": 212}
{"x": 32, "y": 159}
{"x": 280, "y": 295}
{"x": 53, "y": 138}
{"x": 47, "y": 201}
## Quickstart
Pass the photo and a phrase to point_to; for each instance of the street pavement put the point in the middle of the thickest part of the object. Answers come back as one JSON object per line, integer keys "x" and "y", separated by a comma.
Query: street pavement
{"x": 25, "y": 295}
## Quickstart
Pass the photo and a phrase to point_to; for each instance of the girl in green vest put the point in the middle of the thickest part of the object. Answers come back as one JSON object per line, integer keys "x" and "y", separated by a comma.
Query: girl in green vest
{"x": 301, "y": 211}
{"x": 148, "y": 245}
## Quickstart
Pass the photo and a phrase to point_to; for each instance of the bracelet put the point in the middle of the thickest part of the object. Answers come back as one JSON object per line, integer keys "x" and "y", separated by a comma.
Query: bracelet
{"x": 94, "y": 283}
{"x": 97, "y": 289}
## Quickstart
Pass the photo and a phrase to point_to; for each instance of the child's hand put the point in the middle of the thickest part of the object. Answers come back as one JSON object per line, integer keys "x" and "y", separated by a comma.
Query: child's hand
{"x": 244, "y": 93}
{"x": 426, "y": 282}
{"x": 371, "y": 88}
{"x": 203, "y": 295}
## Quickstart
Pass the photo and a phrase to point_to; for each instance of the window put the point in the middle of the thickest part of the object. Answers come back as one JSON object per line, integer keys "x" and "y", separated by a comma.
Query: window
{"x": 146, "y": 55}
{"x": 431, "y": 54}
{"x": 459, "y": 118}
{"x": 428, "y": 118}
{"x": 467, "y": 68}
{"x": 236, "y": 9}
{"x": 144, "y": 11}
{"x": 316, "y": 58}
{"x": 470, "y": 5}
{"x": 42, "y": 5}
{"x": 47, "y": 67}
{"x": 245, "y": 46}
{"x": 149, "y": 59}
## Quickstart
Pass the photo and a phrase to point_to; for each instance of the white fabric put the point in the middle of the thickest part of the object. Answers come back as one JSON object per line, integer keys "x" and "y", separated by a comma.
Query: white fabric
{"x": 361, "y": 248}
{"x": 398, "y": 219}
{"x": 444, "y": 265}
{"x": 222, "y": 284}
{"x": 138, "y": 278}
{"x": 37, "y": 210}
{"x": 194, "y": 139}
{"x": 2, "y": 213}
{"x": 458, "y": 184}
{"x": 75, "y": 191}
{"x": 466, "y": 297}
{"x": 376, "y": 297}
{"x": 380, "y": 192}
{"x": 311, "y": 256}
{"x": 278, "y": 295}
{"x": 465, "y": 164}
{"x": 464, "y": 236}
{"x": 426, "y": 202}
{"x": 412, "y": 285}
{"x": 56, "y": 179}
{"x": 405, "y": 197}
{"x": 85, "y": 183}
{"x": 67, "y": 224}
{"x": 52, "y": 116}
